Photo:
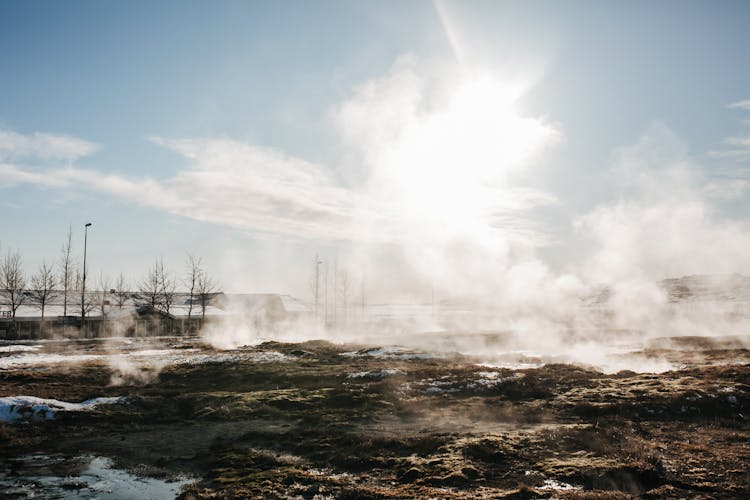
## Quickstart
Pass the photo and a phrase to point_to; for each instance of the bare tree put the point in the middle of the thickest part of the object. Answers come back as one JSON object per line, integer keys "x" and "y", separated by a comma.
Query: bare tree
{"x": 12, "y": 283}
{"x": 67, "y": 265}
{"x": 89, "y": 299}
{"x": 166, "y": 288}
{"x": 206, "y": 290}
{"x": 90, "y": 303}
{"x": 43, "y": 284}
{"x": 105, "y": 284}
{"x": 77, "y": 282}
{"x": 194, "y": 270}
{"x": 159, "y": 287}
{"x": 121, "y": 293}
{"x": 103, "y": 303}
{"x": 150, "y": 286}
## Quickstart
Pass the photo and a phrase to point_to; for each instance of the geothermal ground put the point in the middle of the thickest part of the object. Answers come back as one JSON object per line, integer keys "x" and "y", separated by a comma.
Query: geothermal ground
{"x": 168, "y": 417}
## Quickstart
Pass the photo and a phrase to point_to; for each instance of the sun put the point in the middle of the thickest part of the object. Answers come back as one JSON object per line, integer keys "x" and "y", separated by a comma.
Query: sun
{"x": 449, "y": 165}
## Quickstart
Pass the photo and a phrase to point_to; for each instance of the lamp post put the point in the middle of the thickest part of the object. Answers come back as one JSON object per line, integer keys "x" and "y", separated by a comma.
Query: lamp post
{"x": 83, "y": 284}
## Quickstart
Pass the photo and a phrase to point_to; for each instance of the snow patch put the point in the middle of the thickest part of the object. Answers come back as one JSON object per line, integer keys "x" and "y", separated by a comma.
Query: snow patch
{"x": 259, "y": 357}
{"x": 391, "y": 352}
{"x": 487, "y": 380}
{"x": 20, "y": 360}
{"x": 31, "y": 408}
{"x": 160, "y": 357}
{"x": 551, "y": 484}
{"x": 376, "y": 374}
{"x": 38, "y": 475}
{"x": 18, "y": 348}
{"x": 158, "y": 352}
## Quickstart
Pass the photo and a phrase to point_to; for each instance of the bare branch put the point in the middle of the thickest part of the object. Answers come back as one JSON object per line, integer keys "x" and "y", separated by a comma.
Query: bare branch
{"x": 105, "y": 284}
{"x": 121, "y": 291}
{"x": 67, "y": 264}
{"x": 206, "y": 290}
{"x": 150, "y": 285}
{"x": 12, "y": 283}
{"x": 166, "y": 288}
{"x": 42, "y": 286}
{"x": 194, "y": 270}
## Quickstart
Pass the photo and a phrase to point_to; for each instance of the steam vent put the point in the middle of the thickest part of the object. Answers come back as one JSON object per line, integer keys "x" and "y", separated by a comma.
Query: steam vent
{"x": 434, "y": 249}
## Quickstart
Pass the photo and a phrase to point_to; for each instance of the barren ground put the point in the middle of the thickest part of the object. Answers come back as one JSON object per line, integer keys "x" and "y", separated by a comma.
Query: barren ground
{"x": 337, "y": 421}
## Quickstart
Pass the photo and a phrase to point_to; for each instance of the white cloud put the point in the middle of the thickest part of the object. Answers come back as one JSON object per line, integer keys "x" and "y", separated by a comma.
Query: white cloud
{"x": 228, "y": 183}
{"x": 433, "y": 149}
{"x": 737, "y": 147}
{"x": 727, "y": 189}
{"x": 254, "y": 188}
{"x": 429, "y": 152}
{"x": 663, "y": 222}
{"x": 742, "y": 142}
{"x": 11, "y": 175}
{"x": 743, "y": 104}
{"x": 43, "y": 146}
{"x": 434, "y": 156}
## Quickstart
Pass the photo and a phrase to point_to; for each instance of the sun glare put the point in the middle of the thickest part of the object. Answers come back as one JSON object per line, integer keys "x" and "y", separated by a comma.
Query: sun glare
{"x": 450, "y": 165}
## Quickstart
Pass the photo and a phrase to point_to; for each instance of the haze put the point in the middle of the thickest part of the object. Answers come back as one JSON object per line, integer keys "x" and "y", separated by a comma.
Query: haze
{"x": 515, "y": 151}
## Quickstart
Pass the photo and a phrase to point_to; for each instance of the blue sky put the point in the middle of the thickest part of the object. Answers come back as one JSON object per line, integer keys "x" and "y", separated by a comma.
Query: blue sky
{"x": 218, "y": 104}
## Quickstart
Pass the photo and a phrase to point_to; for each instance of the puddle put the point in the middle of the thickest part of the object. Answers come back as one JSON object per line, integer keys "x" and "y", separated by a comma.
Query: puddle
{"x": 59, "y": 477}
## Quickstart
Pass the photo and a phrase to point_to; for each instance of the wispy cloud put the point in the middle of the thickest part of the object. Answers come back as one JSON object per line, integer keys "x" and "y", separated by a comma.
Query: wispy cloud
{"x": 43, "y": 146}
{"x": 12, "y": 175}
{"x": 743, "y": 104}
{"x": 252, "y": 188}
{"x": 226, "y": 182}
{"x": 432, "y": 170}
{"x": 735, "y": 147}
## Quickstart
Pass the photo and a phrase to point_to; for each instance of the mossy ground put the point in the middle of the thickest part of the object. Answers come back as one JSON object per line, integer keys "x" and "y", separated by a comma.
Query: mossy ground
{"x": 322, "y": 421}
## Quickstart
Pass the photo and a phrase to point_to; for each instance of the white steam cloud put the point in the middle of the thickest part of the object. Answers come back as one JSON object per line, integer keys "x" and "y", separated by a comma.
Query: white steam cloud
{"x": 430, "y": 207}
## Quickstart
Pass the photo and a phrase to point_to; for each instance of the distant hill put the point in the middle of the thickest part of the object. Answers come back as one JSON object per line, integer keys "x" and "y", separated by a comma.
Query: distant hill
{"x": 711, "y": 287}
{"x": 725, "y": 288}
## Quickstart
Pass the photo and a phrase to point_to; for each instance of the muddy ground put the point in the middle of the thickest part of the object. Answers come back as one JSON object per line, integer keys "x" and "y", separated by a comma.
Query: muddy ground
{"x": 319, "y": 420}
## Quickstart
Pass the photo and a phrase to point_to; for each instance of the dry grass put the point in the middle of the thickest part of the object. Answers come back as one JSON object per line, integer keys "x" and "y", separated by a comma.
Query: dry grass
{"x": 440, "y": 428}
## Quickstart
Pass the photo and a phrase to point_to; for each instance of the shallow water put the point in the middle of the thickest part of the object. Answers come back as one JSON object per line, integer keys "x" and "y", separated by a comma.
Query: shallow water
{"x": 59, "y": 477}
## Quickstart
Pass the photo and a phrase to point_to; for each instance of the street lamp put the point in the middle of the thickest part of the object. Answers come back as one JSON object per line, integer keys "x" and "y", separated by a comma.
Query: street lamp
{"x": 83, "y": 285}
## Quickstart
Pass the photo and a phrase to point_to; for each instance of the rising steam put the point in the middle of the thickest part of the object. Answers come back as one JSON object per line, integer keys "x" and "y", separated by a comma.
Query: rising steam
{"x": 438, "y": 216}
{"x": 438, "y": 200}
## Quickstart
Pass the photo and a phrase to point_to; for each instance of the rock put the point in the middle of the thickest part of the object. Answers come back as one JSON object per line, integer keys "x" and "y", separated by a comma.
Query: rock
{"x": 410, "y": 475}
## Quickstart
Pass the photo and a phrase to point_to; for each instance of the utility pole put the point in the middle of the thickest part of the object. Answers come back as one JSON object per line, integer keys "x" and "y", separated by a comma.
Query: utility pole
{"x": 318, "y": 262}
{"x": 434, "y": 304}
{"x": 335, "y": 283}
{"x": 325, "y": 294}
{"x": 362, "y": 297}
{"x": 83, "y": 284}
